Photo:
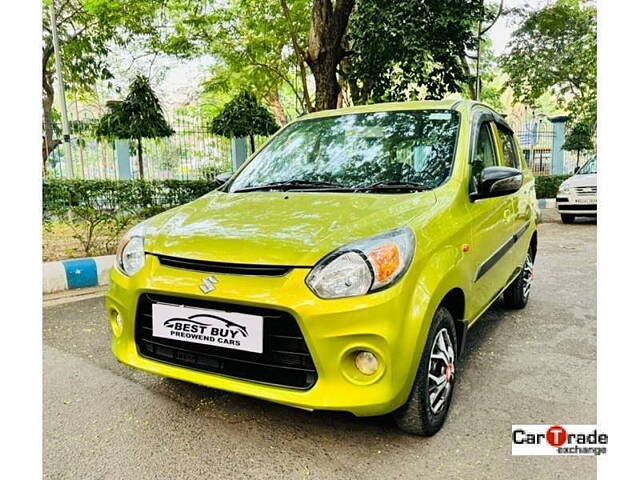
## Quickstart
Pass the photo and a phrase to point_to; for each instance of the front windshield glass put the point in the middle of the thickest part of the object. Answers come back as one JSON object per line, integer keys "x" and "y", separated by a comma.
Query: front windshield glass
{"x": 589, "y": 167}
{"x": 357, "y": 150}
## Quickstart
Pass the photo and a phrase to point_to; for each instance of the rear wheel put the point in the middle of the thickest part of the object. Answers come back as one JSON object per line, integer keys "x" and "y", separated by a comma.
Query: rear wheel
{"x": 428, "y": 404}
{"x": 517, "y": 294}
{"x": 566, "y": 218}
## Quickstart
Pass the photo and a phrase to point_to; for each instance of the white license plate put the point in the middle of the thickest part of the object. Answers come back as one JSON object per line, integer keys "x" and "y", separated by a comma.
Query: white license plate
{"x": 237, "y": 331}
{"x": 585, "y": 200}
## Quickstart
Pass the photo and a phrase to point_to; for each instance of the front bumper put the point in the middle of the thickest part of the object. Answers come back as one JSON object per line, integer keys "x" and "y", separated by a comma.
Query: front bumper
{"x": 573, "y": 205}
{"x": 333, "y": 331}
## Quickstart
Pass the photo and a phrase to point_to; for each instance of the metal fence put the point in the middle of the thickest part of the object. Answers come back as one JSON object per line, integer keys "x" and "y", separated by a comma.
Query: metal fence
{"x": 536, "y": 140}
{"x": 192, "y": 152}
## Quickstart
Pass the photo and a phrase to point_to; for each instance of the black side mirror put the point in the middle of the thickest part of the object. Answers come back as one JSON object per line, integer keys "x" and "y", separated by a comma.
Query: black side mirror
{"x": 498, "y": 181}
{"x": 223, "y": 177}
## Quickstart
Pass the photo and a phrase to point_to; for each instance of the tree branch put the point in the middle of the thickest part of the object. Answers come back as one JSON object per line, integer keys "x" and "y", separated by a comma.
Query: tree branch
{"x": 493, "y": 22}
{"x": 340, "y": 18}
{"x": 299, "y": 54}
{"x": 283, "y": 76}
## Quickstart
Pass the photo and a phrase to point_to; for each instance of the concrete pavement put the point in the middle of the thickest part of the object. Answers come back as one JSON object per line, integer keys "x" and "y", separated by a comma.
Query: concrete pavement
{"x": 105, "y": 421}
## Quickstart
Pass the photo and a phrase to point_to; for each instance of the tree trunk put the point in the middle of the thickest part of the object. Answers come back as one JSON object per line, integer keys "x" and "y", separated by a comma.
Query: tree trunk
{"x": 80, "y": 150}
{"x": 48, "y": 143}
{"x": 252, "y": 140}
{"x": 327, "y": 87}
{"x": 300, "y": 58}
{"x": 277, "y": 110}
{"x": 140, "y": 165}
{"x": 471, "y": 80}
{"x": 324, "y": 53}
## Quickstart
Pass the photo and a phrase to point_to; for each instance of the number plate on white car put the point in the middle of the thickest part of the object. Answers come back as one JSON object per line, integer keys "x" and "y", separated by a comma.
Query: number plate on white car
{"x": 237, "y": 331}
{"x": 585, "y": 200}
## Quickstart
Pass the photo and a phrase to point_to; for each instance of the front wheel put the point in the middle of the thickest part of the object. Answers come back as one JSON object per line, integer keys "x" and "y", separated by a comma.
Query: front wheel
{"x": 428, "y": 404}
{"x": 517, "y": 294}
{"x": 566, "y": 218}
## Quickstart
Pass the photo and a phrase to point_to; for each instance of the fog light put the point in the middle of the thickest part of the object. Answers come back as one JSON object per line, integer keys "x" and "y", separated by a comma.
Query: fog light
{"x": 366, "y": 362}
{"x": 116, "y": 322}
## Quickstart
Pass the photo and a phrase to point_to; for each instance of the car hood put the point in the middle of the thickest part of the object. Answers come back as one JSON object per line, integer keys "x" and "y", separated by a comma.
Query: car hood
{"x": 586, "y": 180}
{"x": 277, "y": 228}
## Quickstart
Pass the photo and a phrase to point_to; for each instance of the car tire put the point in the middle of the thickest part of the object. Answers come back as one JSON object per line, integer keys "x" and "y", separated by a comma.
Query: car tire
{"x": 566, "y": 218}
{"x": 517, "y": 294}
{"x": 423, "y": 414}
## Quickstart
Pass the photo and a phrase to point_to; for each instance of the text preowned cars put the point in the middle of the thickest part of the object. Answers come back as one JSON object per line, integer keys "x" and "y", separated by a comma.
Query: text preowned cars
{"x": 340, "y": 267}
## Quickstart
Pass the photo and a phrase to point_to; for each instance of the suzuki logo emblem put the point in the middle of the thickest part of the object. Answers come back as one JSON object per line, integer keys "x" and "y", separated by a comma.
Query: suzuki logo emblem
{"x": 208, "y": 285}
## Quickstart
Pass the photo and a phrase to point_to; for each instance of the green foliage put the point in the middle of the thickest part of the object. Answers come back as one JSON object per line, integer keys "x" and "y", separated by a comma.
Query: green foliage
{"x": 412, "y": 49}
{"x": 555, "y": 49}
{"x": 209, "y": 172}
{"x": 547, "y": 185}
{"x": 579, "y": 138}
{"x": 88, "y": 30}
{"x": 138, "y": 116}
{"x": 251, "y": 43}
{"x": 243, "y": 116}
{"x": 98, "y": 211}
{"x": 142, "y": 198}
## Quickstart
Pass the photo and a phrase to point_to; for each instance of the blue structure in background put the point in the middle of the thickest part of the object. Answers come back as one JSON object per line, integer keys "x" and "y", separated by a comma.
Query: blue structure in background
{"x": 81, "y": 272}
{"x": 557, "y": 154}
{"x": 122, "y": 155}
{"x": 529, "y": 134}
{"x": 238, "y": 152}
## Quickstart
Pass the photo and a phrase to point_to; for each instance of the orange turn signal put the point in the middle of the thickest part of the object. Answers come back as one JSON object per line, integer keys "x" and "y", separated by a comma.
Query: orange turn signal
{"x": 386, "y": 261}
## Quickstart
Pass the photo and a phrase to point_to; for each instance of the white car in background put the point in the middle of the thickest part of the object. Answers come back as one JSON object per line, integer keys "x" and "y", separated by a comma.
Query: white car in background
{"x": 577, "y": 195}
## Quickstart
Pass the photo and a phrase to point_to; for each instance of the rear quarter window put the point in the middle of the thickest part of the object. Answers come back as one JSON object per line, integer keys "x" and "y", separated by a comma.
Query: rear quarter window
{"x": 508, "y": 146}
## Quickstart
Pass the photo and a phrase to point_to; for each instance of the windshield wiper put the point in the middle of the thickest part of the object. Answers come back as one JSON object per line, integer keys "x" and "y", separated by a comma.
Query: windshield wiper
{"x": 291, "y": 184}
{"x": 393, "y": 186}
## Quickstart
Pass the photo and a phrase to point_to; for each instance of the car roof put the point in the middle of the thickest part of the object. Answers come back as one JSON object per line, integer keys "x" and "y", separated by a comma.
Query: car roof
{"x": 452, "y": 104}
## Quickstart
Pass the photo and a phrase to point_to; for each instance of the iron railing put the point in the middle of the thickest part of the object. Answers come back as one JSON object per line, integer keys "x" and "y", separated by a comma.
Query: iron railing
{"x": 192, "y": 152}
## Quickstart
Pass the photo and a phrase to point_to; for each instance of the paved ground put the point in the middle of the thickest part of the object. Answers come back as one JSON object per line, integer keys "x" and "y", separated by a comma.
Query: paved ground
{"x": 105, "y": 421}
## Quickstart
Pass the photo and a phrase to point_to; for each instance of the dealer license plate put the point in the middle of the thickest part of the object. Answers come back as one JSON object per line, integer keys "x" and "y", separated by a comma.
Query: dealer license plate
{"x": 237, "y": 331}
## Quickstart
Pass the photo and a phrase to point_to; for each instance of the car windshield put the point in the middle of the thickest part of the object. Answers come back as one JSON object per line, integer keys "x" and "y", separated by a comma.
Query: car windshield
{"x": 589, "y": 167}
{"x": 364, "y": 151}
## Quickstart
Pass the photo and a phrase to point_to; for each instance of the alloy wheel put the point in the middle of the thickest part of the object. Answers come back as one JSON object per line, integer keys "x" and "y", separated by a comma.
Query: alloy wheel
{"x": 441, "y": 371}
{"x": 527, "y": 276}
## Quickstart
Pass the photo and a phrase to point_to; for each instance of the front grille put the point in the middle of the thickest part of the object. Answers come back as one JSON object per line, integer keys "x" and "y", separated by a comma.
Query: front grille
{"x": 592, "y": 207}
{"x": 586, "y": 191}
{"x": 285, "y": 360}
{"x": 222, "y": 267}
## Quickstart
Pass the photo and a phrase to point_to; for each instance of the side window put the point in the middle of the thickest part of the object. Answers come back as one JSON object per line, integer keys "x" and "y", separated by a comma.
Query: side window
{"x": 509, "y": 153}
{"x": 484, "y": 154}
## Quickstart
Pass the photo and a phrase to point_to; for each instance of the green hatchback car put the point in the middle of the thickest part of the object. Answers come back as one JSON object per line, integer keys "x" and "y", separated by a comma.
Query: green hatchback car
{"x": 340, "y": 267}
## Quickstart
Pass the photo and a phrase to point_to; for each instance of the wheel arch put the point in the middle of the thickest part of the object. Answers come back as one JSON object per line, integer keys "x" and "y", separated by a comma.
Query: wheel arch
{"x": 454, "y": 302}
{"x": 534, "y": 243}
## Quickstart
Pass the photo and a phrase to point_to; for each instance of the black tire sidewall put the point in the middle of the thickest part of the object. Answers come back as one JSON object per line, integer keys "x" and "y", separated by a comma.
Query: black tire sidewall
{"x": 514, "y": 294}
{"x": 433, "y": 422}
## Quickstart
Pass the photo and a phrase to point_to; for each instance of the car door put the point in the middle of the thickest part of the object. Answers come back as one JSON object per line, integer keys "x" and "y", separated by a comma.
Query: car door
{"x": 522, "y": 213}
{"x": 492, "y": 223}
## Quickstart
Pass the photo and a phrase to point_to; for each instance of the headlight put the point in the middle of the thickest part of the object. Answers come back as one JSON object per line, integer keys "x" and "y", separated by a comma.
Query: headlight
{"x": 130, "y": 252}
{"x": 363, "y": 266}
{"x": 564, "y": 188}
